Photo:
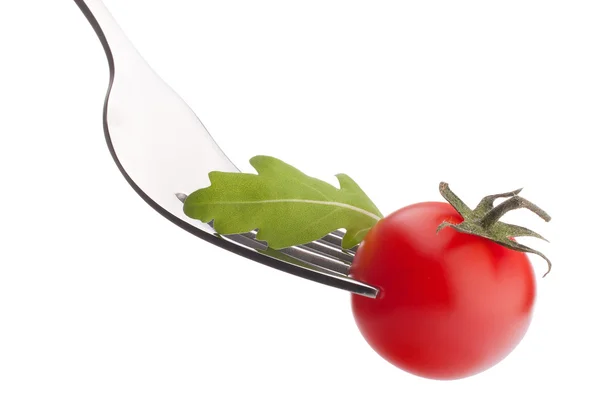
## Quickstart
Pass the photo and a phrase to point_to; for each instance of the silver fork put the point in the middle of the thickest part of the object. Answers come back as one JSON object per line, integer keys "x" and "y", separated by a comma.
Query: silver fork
{"x": 164, "y": 151}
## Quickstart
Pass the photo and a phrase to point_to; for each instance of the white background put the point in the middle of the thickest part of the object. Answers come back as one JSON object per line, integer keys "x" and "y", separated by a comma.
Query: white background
{"x": 102, "y": 298}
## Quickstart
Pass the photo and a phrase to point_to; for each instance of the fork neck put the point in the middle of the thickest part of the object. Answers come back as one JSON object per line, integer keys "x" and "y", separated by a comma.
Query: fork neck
{"x": 113, "y": 39}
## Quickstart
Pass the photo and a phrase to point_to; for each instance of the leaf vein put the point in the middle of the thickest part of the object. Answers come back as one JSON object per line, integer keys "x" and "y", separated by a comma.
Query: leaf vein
{"x": 325, "y": 203}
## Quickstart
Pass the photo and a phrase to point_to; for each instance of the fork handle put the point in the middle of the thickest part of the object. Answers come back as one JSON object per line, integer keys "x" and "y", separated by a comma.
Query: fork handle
{"x": 113, "y": 39}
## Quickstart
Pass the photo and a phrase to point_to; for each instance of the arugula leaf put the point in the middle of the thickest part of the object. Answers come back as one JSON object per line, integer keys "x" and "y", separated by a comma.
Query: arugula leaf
{"x": 287, "y": 207}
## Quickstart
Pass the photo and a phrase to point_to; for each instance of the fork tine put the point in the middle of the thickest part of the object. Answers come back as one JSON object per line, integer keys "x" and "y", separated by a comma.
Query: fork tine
{"x": 334, "y": 239}
{"x": 329, "y": 250}
{"x": 323, "y": 261}
{"x": 321, "y": 248}
{"x": 245, "y": 240}
{"x": 313, "y": 258}
{"x": 309, "y": 255}
{"x": 293, "y": 256}
{"x": 341, "y": 281}
{"x": 338, "y": 234}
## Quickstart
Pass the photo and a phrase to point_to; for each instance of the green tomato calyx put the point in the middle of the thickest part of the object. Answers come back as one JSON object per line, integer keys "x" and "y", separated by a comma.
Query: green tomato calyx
{"x": 484, "y": 220}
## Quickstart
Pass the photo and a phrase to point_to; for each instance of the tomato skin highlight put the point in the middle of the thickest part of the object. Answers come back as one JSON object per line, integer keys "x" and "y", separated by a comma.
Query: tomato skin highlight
{"x": 451, "y": 305}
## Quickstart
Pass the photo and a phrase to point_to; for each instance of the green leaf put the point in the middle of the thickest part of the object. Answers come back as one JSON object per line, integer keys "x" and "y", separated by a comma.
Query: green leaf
{"x": 286, "y": 206}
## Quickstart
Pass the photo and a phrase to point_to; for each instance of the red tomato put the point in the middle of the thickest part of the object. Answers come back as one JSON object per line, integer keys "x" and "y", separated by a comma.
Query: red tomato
{"x": 451, "y": 304}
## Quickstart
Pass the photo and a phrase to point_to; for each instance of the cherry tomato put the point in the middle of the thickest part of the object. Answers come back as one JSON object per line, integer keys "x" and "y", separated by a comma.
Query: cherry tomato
{"x": 451, "y": 305}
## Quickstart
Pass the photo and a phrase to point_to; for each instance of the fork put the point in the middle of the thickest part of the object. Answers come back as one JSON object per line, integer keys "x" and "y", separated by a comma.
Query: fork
{"x": 163, "y": 151}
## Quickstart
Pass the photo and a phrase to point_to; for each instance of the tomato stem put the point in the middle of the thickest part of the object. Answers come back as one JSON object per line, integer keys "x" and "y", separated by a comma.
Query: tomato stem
{"x": 484, "y": 220}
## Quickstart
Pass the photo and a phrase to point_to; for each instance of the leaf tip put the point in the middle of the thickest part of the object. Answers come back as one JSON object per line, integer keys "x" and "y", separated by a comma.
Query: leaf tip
{"x": 257, "y": 158}
{"x": 213, "y": 174}
{"x": 344, "y": 180}
{"x": 261, "y": 159}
